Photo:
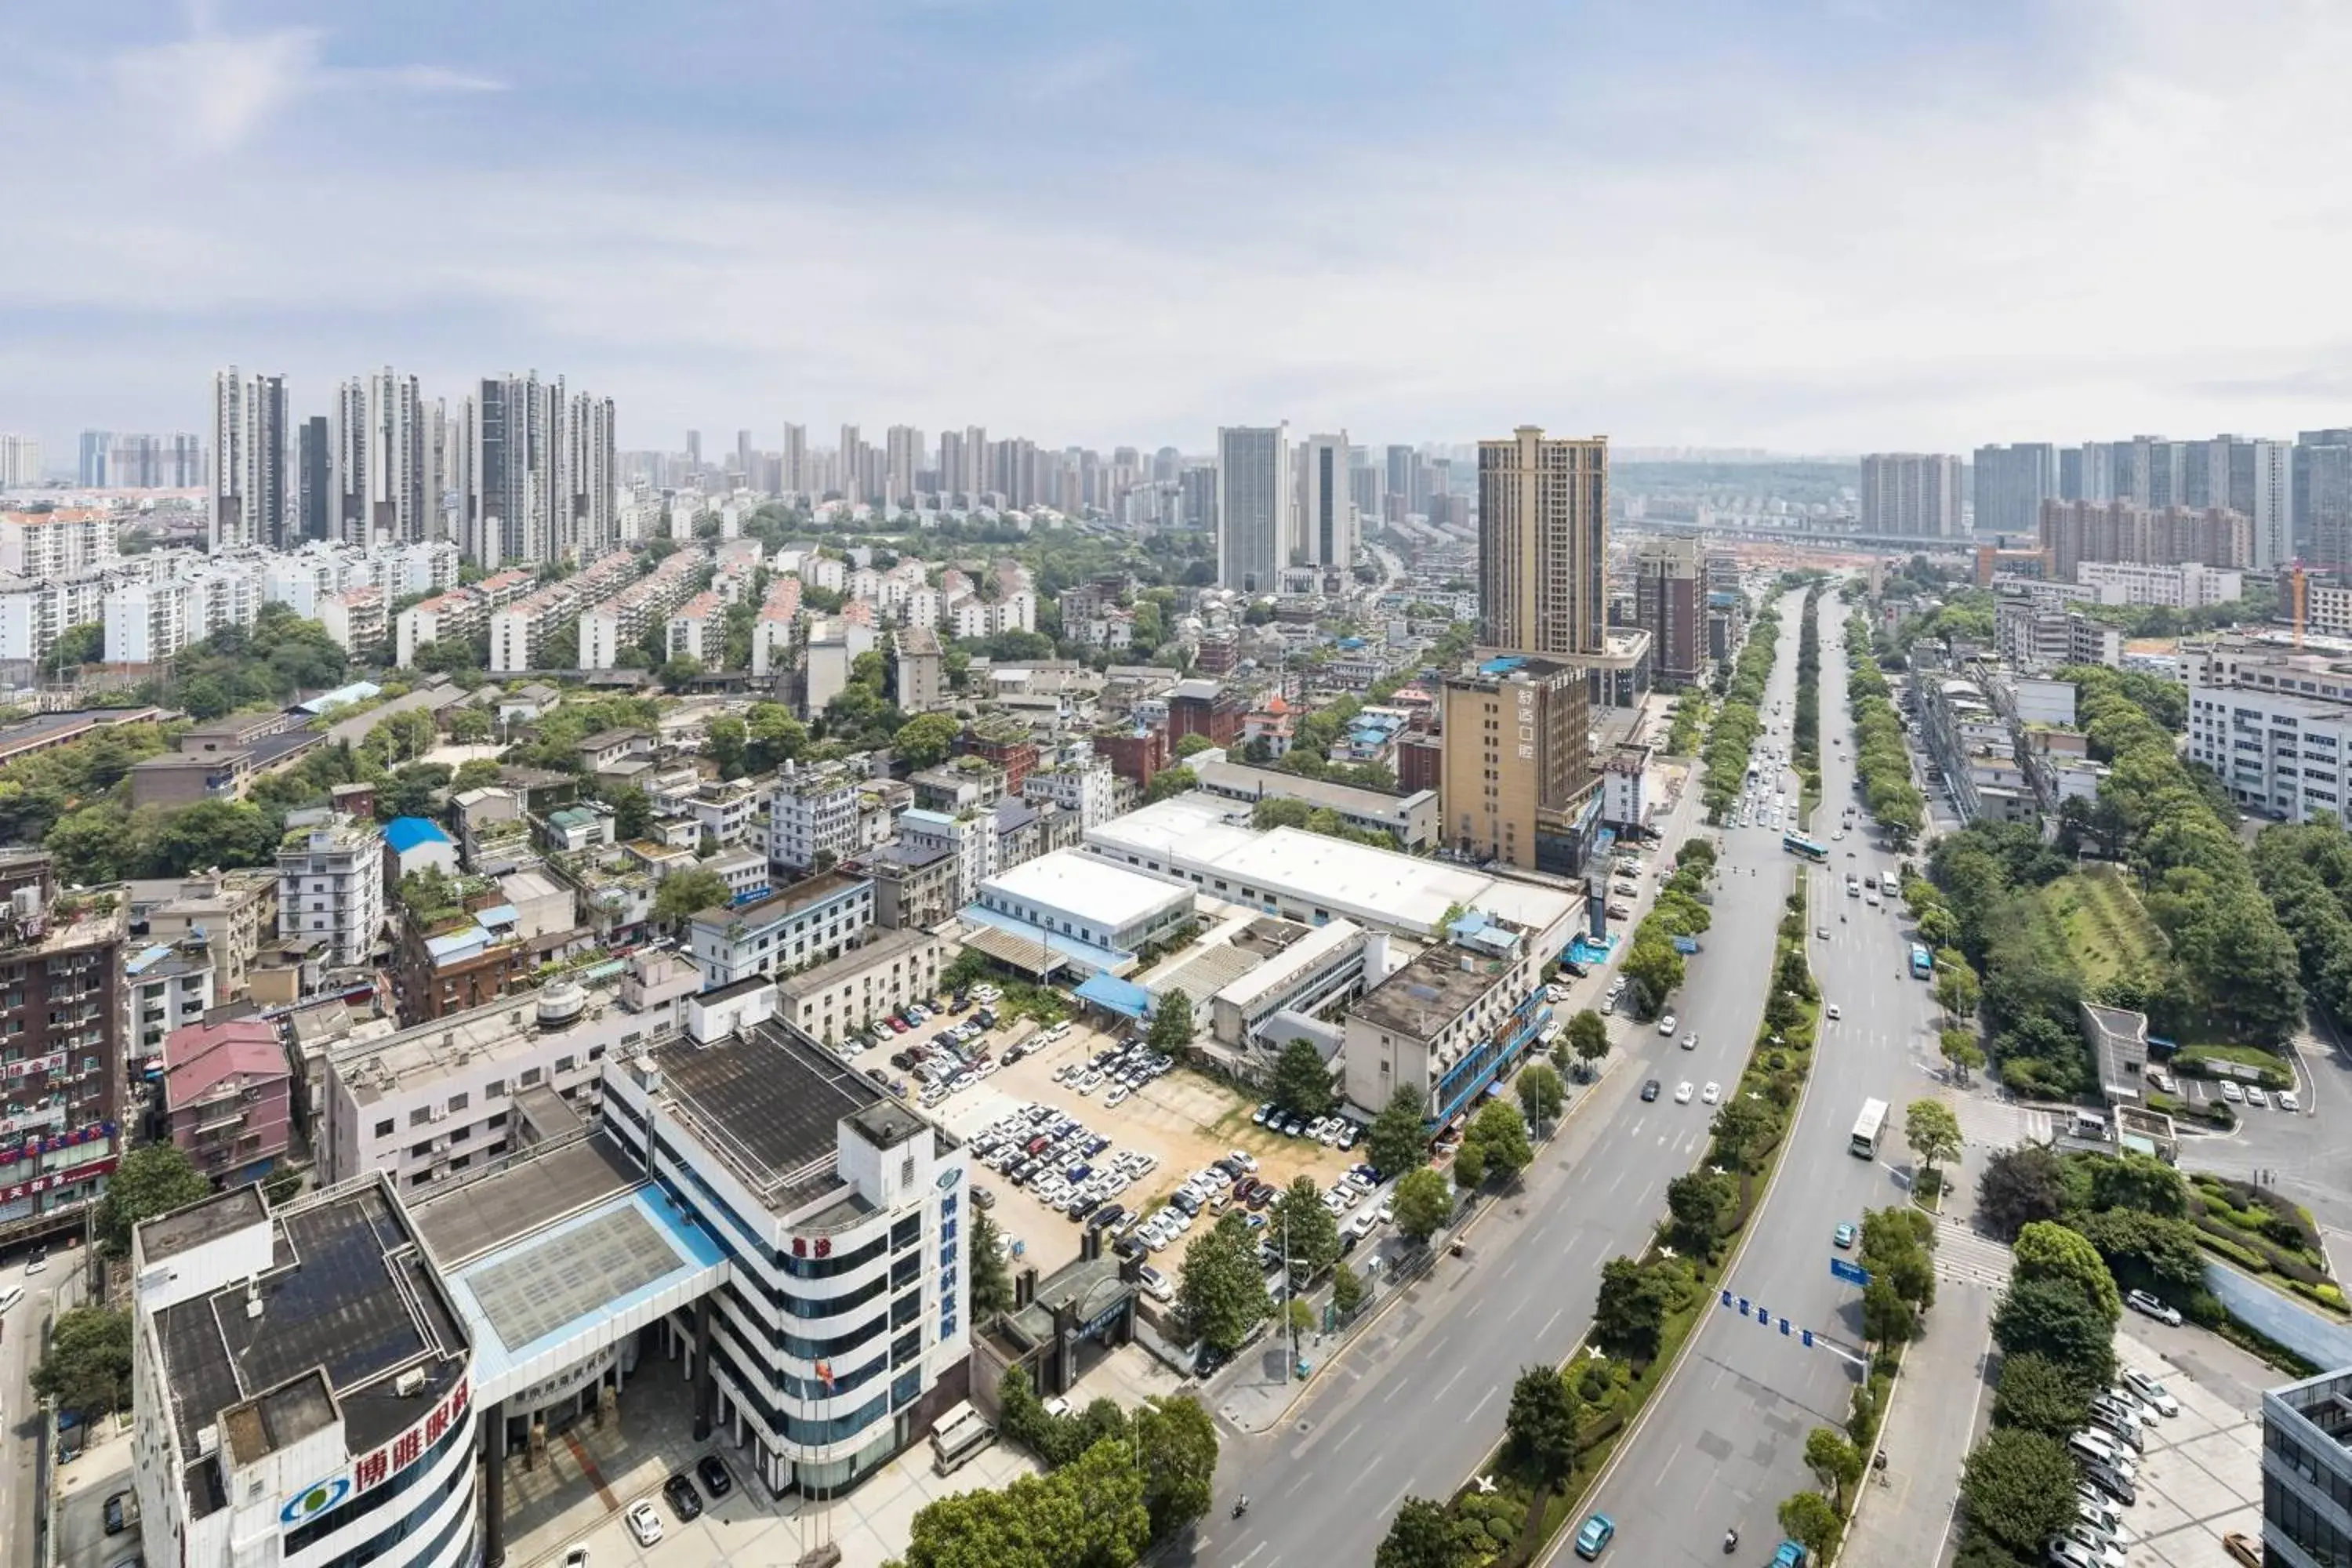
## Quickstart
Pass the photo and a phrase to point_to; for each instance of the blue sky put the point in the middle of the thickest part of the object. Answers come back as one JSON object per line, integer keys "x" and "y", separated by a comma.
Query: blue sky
{"x": 1810, "y": 226}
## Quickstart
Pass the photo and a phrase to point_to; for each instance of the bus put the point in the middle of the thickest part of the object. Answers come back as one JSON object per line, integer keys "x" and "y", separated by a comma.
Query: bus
{"x": 1798, "y": 844}
{"x": 962, "y": 1434}
{"x": 1863, "y": 1144}
{"x": 1894, "y": 889}
{"x": 1923, "y": 963}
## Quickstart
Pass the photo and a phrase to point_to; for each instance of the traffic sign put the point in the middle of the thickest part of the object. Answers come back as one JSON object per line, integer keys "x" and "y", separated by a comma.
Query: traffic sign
{"x": 1852, "y": 1273}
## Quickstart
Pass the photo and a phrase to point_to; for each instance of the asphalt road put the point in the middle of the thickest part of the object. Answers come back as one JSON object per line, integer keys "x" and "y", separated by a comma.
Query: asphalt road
{"x": 1418, "y": 1400}
{"x": 20, "y": 1340}
{"x": 1724, "y": 1442}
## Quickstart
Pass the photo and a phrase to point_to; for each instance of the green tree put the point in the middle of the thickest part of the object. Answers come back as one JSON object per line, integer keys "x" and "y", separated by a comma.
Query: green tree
{"x": 1425, "y": 1201}
{"x": 1588, "y": 1035}
{"x": 775, "y": 737}
{"x": 1176, "y": 1442}
{"x": 1301, "y": 1223}
{"x": 2018, "y": 1186}
{"x": 1423, "y": 1535}
{"x": 677, "y": 674}
{"x": 469, "y": 725}
{"x": 1960, "y": 1049}
{"x": 1835, "y": 1462}
{"x": 1397, "y": 1140}
{"x": 1302, "y": 1080}
{"x": 1958, "y": 992}
{"x": 2041, "y": 1395}
{"x": 683, "y": 894}
{"x": 1091, "y": 1511}
{"x": 2046, "y": 1250}
{"x": 1540, "y": 1428}
{"x": 727, "y": 743}
{"x": 633, "y": 812}
{"x": 1807, "y": 1517}
{"x": 1347, "y": 1291}
{"x": 1698, "y": 1202}
{"x": 1656, "y": 969}
{"x": 2138, "y": 1182}
{"x": 1500, "y": 1135}
{"x": 88, "y": 1367}
{"x": 2053, "y": 1318}
{"x": 1541, "y": 1094}
{"x": 1469, "y": 1164}
{"x": 154, "y": 1179}
{"x": 1220, "y": 1294}
{"x": 1932, "y": 1131}
{"x": 1168, "y": 783}
{"x": 991, "y": 1281}
{"x": 1193, "y": 744}
{"x": 925, "y": 740}
{"x": 2018, "y": 1486}
{"x": 1171, "y": 1025}
{"x": 1630, "y": 1310}
{"x": 1744, "y": 1132}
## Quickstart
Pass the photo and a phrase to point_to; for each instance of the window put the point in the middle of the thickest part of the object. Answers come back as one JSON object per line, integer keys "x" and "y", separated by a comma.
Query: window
{"x": 458, "y": 1102}
{"x": 384, "y": 1129}
{"x": 420, "y": 1116}
{"x": 495, "y": 1087}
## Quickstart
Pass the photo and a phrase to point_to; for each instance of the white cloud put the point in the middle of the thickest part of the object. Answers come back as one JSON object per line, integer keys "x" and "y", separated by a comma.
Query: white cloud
{"x": 2138, "y": 228}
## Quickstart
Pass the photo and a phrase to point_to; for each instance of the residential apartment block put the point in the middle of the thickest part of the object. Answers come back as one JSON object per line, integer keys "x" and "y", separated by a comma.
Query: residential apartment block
{"x": 330, "y": 889}
{"x": 2076, "y": 531}
{"x": 806, "y": 922}
{"x": 863, "y": 985}
{"x": 227, "y": 1098}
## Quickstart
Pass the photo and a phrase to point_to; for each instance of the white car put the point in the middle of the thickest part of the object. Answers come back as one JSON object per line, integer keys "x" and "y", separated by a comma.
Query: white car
{"x": 2287, "y": 1100}
{"x": 2231, "y": 1092}
{"x": 1832, "y": 1012}
{"x": 2256, "y": 1098}
{"x": 1683, "y": 1092}
{"x": 644, "y": 1524}
{"x": 1712, "y": 1094}
{"x": 1666, "y": 1025}
{"x": 2150, "y": 1393}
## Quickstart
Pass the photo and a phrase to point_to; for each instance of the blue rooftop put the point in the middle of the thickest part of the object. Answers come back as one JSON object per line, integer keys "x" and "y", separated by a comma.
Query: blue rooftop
{"x": 1502, "y": 665}
{"x": 1123, "y": 997}
{"x": 405, "y": 833}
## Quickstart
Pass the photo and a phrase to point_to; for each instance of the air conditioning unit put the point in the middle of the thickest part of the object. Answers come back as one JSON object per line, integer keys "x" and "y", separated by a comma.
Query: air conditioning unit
{"x": 409, "y": 1384}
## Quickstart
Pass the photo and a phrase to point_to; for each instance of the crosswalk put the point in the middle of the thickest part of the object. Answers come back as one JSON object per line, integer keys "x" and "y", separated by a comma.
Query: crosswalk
{"x": 1998, "y": 1124}
{"x": 1964, "y": 1257}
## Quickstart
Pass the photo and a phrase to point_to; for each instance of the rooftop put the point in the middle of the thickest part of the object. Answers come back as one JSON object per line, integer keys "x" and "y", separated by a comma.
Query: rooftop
{"x": 769, "y": 1106}
{"x": 885, "y": 946}
{"x": 504, "y": 1030}
{"x": 1242, "y": 782}
{"x": 349, "y": 1297}
{"x": 1430, "y": 992}
{"x": 785, "y": 901}
{"x": 471, "y": 1219}
{"x": 1110, "y": 895}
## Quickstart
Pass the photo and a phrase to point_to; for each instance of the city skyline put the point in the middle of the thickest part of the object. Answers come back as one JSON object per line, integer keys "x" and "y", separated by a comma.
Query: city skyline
{"x": 1768, "y": 277}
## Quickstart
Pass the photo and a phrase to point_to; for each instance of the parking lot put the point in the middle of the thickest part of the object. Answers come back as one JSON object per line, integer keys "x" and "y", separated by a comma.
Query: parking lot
{"x": 2200, "y": 1470}
{"x": 1180, "y": 1121}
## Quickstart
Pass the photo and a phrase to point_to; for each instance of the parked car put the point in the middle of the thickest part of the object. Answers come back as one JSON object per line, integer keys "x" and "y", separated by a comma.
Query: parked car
{"x": 715, "y": 1479}
{"x": 2151, "y": 1392}
{"x": 2141, "y": 1301}
{"x": 644, "y": 1524}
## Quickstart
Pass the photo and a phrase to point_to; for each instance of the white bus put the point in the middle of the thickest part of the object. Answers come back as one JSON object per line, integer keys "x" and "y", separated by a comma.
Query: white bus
{"x": 1863, "y": 1144}
{"x": 961, "y": 1433}
{"x": 1894, "y": 889}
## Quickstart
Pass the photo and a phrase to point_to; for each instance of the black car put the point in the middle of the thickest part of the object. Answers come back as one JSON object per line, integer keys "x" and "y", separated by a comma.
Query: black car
{"x": 715, "y": 1479}
{"x": 684, "y": 1500}
{"x": 2112, "y": 1481}
{"x": 1109, "y": 1214}
{"x": 1650, "y": 1089}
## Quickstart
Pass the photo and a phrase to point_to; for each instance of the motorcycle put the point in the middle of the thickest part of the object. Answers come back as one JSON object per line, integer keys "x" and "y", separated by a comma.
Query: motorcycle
{"x": 1241, "y": 1507}
{"x": 1730, "y": 1542}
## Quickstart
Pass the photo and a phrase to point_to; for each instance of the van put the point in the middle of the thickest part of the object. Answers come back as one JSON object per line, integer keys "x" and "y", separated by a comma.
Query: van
{"x": 959, "y": 1437}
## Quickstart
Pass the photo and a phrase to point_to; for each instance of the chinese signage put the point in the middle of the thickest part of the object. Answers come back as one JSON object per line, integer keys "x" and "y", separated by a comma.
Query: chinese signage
{"x": 54, "y": 1062}
{"x": 372, "y": 1469}
{"x": 67, "y": 1178}
{"x": 36, "y": 1146}
{"x": 947, "y": 1228}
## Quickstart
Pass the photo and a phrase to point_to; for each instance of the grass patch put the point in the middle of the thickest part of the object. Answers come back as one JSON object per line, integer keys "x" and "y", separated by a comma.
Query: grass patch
{"x": 2092, "y": 922}
{"x": 2275, "y": 1073}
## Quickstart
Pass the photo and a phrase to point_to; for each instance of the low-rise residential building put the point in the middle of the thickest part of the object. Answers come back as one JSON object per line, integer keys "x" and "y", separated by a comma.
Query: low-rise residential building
{"x": 450, "y": 961}
{"x": 914, "y": 884}
{"x": 605, "y": 747}
{"x": 231, "y": 914}
{"x": 1080, "y": 785}
{"x": 621, "y": 620}
{"x": 697, "y": 629}
{"x": 418, "y": 844}
{"x": 330, "y": 889}
{"x": 1449, "y": 1023}
{"x": 432, "y": 1102}
{"x": 167, "y": 988}
{"x": 1976, "y": 746}
{"x": 864, "y": 984}
{"x": 228, "y": 1103}
{"x": 2038, "y": 636}
{"x": 812, "y": 811}
{"x": 921, "y": 670}
{"x": 519, "y": 632}
{"x": 805, "y": 922}
{"x": 724, "y": 810}
{"x": 970, "y": 836}
{"x": 744, "y": 870}
{"x": 2185, "y": 587}
{"x": 1301, "y": 970}
{"x": 355, "y": 620}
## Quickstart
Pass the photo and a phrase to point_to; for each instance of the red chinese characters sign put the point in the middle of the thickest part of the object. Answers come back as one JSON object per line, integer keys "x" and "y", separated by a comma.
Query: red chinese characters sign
{"x": 56, "y": 1179}
{"x": 372, "y": 1469}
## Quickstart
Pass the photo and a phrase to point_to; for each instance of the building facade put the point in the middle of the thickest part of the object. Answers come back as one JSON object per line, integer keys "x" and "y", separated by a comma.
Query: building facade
{"x": 1543, "y": 543}
{"x": 1517, "y": 762}
{"x": 330, "y": 889}
{"x": 807, "y": 923}
{"x": 1253, "y": 506}
{"x": 1912, "y": 495}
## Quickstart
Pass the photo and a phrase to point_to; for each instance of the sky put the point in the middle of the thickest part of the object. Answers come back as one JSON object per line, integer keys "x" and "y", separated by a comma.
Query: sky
{"x": 1813, "y": 225}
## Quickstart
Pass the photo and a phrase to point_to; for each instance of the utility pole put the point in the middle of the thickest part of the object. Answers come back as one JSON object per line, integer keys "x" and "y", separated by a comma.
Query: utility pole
{"x": 1289, "y": 1291}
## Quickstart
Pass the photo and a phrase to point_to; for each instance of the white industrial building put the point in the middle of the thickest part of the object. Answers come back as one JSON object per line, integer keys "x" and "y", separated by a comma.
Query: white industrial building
{"x": 1087, "y": 902}
{"x": 2284, "y": 756}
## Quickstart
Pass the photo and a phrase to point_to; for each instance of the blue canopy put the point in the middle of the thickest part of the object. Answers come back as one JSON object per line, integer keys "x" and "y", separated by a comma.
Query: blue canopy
{"x": 1104, "y": 989}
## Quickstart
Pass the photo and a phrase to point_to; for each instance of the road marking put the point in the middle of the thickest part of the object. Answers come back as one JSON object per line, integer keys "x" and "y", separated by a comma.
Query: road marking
{"x": 1452, "y": 1381}
{"x": 1556, "y": 1314}
{"x": 1477, "y": 1407}
{"x": 1245, "y": 1561}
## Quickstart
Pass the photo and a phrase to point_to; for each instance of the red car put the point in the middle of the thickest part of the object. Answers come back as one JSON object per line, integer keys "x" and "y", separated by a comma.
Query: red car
{"x": 896, "y": 1028}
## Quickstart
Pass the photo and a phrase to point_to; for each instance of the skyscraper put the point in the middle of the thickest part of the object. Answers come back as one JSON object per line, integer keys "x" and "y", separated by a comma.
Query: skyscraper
{"x": 2011, "y": 483}
{"x": 849, "y": 468}
{"x": 248, "y": 461}
{"x": 2322, "y": 498}
{"x": 1911, "y": 495}
{"x": 2261, "y": 485}
{"x": 314, "y": 477}
{"x": 975, "y": 461}
{"x": 20, "y": 460}
{"x": 795, "y": 459}
{"x": 90, "y": 470}
{"x": 381, "y": 488}
{"x": 1254, "y": 500}
{"x": 745, "y": 474}
{"x": 1543, "y": 543}
{"x": 902, "y": 448}
{"x": 1327, "y": 507}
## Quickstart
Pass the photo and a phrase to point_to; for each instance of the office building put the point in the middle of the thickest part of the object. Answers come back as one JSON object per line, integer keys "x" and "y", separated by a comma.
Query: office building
{"x": 302, "y": 1387}
{"x": 2307, "y": 1472}
{"x": 2286, "y": 757}
{"x": 1670, "y": 603}
{"x": 1543, "y": 543}
{"x": 1253, "y": 505}
{"x": 1327, "y": 507}
{"x": 2189, "y": 586}
{"x": 1911, "y": 495}
{"x": 2076, "y": 531}
{"x": 831, "y": 1000}
{"x": 249, "y": 498}
{"x": 330, "y": 889}
{"x": 1519, "y": 783}
{"x": 61, "y": 1011}
{"x": 2011, "y": 483}
{"x": 1449, "y": 1023}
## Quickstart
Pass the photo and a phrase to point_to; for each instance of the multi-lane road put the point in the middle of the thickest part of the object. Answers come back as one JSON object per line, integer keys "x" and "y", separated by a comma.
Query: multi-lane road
{"x": 1724, "y": 1443}
{"x": 1418, "y": 1400}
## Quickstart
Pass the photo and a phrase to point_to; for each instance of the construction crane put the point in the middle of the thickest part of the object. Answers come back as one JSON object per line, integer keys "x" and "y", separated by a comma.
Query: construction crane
{"x": 2297, "y": 594}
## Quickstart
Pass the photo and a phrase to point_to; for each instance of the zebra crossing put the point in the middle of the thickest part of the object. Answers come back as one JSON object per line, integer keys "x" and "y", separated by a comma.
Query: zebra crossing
{"x": 2002, "y": 1124}
{"x": 1965, "y": 1257}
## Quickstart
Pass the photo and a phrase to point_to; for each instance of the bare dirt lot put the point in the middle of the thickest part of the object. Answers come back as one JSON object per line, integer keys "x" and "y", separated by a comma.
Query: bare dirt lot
{"x": 1183, "y": 1119}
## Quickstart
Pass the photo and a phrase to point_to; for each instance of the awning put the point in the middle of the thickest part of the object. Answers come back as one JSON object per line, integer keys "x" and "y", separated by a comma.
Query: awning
{"x": 1122, "y": 997}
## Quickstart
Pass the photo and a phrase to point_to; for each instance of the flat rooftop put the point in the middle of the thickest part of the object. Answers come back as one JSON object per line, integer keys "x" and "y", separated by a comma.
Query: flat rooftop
{"x": 1430, "y": 992}
{"x": 886, "y": 945}
{"x": 1242, "y": 782}
{"x": 785, "y": 901}
{"x": 769, "y": 1106}
{"x": 504, "y": 1030}
{"x": 223, "y": 1214}
{"x": 471, "y": 1219}
{"x": 350, "y": 1299}
{"x": 1110, "y": 895}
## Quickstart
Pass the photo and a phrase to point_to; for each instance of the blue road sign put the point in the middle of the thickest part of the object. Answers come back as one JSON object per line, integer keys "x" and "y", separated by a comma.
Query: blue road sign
{"x": 1852, "y": 1273}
